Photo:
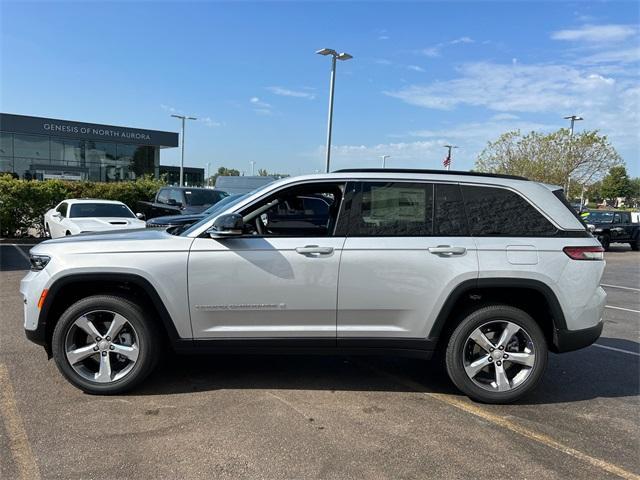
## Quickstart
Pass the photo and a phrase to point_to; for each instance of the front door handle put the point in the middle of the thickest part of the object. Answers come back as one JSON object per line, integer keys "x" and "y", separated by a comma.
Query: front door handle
{"x": 314, "y": 249}
{"x": 446, "y": 250}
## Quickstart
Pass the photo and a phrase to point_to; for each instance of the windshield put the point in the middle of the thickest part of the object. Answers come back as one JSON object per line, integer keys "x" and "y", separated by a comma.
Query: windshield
{"x": 215, "y": 210}
{"x": 598, "y": 217}
{"x": 198, "y": 198}
{"x": 84, "y": 210}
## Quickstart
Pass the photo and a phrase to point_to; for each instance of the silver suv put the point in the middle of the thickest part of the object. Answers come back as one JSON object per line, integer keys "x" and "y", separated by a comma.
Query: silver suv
{"x": 488, "y": 272}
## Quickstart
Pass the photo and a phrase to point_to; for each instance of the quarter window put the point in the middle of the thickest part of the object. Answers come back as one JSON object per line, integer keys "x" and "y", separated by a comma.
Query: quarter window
{"x": 501, "y": 212}
{"x": 385, "y": 209}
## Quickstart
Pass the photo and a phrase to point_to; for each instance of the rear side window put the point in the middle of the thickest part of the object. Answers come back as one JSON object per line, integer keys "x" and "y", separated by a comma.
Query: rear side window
{"x": 501, "y": 212}
{"x": 385, "y": 209}
{"x": 449, "y": 218}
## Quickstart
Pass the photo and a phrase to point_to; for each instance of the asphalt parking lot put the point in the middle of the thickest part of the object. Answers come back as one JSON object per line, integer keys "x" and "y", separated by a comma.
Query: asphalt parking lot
{"x": 324, "y": 417}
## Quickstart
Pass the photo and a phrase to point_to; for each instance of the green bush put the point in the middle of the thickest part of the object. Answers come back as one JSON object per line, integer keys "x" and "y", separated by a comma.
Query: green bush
{"x": 23, "y": 203}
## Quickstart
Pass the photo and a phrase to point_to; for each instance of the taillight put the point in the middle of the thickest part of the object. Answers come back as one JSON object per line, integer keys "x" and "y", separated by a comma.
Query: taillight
{"x": 584, "y": 253}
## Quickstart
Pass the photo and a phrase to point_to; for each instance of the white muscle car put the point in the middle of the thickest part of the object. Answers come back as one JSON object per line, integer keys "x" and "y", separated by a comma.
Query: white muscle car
{"x": 73, "y": 216}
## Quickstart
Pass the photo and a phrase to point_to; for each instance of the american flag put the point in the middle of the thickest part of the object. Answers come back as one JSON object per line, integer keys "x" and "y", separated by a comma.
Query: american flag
{"x": 447, "y": 160}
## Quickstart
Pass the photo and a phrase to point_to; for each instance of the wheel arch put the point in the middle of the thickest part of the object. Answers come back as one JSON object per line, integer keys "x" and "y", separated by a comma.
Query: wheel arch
{"x": 69, "y": 289}
{"x": 533, "y": 296}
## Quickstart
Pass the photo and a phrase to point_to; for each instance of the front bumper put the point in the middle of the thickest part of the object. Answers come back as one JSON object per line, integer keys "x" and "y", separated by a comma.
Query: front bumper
{"x": 569, "y": 340}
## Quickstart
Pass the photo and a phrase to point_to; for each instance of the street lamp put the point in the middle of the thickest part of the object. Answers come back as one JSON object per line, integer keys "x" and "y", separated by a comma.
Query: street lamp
{"x": 573, "y": 118}
{"x": 183, "y": 118}
{"x": 447, "y": 161}
{"x": 334, "y": 56}
{"x": 384, "y": 160}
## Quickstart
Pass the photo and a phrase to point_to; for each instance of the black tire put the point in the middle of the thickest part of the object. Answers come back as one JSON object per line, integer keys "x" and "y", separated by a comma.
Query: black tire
{"x": 476, "y": 319}
{"x": 605, "y": 241}
{"x": 635, "y": 245}
{"x": 148, "y": 341}
{"x": 67, "y": 233}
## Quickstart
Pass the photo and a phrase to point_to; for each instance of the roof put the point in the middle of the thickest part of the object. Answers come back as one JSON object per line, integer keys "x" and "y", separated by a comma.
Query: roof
{"x": 91, "y": 200}
{"x": 429, "y": 172}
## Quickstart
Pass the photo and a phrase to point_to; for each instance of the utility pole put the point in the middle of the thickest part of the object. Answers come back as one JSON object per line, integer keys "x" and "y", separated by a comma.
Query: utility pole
{"x": 384, "y": 158}
{"x": 183, "y": 118}
{"x": 334, "y": 56}
{"x": 447, "y": 161}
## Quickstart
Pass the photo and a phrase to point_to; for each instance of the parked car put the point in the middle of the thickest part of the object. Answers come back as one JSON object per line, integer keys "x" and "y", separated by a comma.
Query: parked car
{"x": 81, "y": 216}
{"x": 612, "y": 226}
{"x": 490, "y": 271}
{"x": 181, "y": 201}
{"x": 186, "y": 220}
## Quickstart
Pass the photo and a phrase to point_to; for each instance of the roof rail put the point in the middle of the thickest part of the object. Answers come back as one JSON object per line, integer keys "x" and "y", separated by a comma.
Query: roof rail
{"x": 430, "y": 172}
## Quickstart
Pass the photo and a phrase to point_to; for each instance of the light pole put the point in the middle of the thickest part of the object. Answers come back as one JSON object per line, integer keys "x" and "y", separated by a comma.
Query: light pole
{"x": 334, "y": 56}
{"x": 447, "y": 161}
{"x": 573, "y": 119}
{"x": 183, "y": 118}
{"x": 208, "y": 174}
{"x": 384, "y": 160}
{"x": 253, "y": 164}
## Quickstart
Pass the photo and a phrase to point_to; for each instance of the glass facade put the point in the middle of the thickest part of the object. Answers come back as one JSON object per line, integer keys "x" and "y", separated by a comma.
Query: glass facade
{"x": 43, "y": 157}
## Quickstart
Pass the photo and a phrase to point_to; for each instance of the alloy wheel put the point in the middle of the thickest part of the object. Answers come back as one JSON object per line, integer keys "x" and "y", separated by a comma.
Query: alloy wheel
{"x": 499, "y": 356}
{"x": 102, "y": 346}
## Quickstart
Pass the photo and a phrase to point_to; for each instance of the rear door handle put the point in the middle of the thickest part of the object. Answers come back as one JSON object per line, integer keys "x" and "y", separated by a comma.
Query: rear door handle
{"x": 314, "y": 249}
{"x": 446, "y": 250}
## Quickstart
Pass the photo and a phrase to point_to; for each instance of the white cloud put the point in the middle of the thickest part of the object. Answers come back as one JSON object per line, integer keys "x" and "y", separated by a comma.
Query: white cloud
{"x": 209, "y": 122}
{"x": 167, "y": 108}
{"x": 383, "y": 37}
{"x": 514, "y": 88}
{"x": 597, "y": 33}
{"x": 618, "y": 56}
{"x": 285, "y": 92}
{"x": 415, "y": 68}
{"x": 434, "y": 51}
{"x": 259, "y": 103}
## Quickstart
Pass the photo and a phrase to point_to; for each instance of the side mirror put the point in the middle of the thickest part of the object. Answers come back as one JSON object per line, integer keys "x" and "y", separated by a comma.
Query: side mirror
{"x": 225, "y": 226}
{"x": 141, "y": 216}
{"x": 172, "y": 201}
{"x": 56, "y": 214}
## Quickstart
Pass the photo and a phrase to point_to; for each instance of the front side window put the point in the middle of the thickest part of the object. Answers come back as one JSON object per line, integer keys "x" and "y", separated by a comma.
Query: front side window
{"x": 204, "y": 197}
{"x": 301, "y": 211}
{"x": 84, "y": 210}
{"x": 176, "y": 196}
{"x": 163, "y": 196}
{"x": 392, "y": 209}
{"x": 62, "y": 209}
{"x": 500, "y": 212}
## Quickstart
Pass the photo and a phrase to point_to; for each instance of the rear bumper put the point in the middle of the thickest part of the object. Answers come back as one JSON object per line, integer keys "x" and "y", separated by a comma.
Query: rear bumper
{"x": 569, "y": 340}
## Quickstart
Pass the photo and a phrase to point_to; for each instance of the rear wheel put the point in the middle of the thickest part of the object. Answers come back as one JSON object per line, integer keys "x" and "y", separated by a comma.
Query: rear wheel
{"x": 105, "y": 345}
{"x": 605, "y": 241}
{"x": 497, "y": 354}
{"x": 634, "y": 245}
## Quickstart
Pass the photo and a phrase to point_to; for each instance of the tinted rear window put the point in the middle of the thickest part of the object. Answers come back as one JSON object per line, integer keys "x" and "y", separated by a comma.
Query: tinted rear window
{"x": 501, "y": 212}
{"x": 384, "y": 209}
{"x": 80, "y": 210}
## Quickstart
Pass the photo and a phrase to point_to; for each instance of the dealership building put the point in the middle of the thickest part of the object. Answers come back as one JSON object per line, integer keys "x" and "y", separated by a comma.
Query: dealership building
{"x": 44, "y": 148}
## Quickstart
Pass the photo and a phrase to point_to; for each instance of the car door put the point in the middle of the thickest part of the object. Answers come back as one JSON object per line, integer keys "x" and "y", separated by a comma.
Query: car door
{"x": 57, "y": 226}
{"x": 617, "y": 229}
{"x": 270, "y": 284}
{"x": 407, "y": 247}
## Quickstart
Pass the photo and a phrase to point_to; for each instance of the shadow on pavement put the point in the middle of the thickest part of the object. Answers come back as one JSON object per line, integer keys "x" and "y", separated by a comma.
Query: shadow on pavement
{"x": 11, "y": 259}
{"x": 576, "y": 376}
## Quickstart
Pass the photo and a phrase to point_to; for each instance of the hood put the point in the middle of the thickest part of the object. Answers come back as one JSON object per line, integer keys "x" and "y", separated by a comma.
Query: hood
{"x": 106, "y": 223}
{"x": 111, "y": 236}
{"x": 175, "y": 219}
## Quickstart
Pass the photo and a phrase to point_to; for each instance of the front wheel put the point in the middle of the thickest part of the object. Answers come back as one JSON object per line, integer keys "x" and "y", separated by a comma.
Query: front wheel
{"x": 497, "y": 354}
{"x": 635, "y": 245}
{"x": 605, "y": 241}
{"x": 105, "y": 345}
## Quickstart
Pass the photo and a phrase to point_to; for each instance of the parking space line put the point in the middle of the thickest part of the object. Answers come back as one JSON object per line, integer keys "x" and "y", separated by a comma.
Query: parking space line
{"x": 21, "y": 252}
{"x": 499, "y": 421}
{"x": 18, "y": 440}
{"x": 619, "y": 286}
{"x": 617, "y": 349}
{"x": 620, "y": 308}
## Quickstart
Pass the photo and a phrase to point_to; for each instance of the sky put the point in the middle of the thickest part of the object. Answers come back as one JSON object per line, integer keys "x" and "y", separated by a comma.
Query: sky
{"x": 424, "y": 74}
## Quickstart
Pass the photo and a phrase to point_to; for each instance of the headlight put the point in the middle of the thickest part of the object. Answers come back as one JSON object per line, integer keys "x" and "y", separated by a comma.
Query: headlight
{"x": 38, "y": 262}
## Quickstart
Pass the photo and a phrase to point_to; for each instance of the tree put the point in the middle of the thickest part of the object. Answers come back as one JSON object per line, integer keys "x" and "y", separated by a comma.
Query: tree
{"x": 222, "y": 172}
{"x": 617, "y": 184}
{"x": 635, "y": 191}
{"x": 557, "y": 158}
{"x": 263, "y": 172}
